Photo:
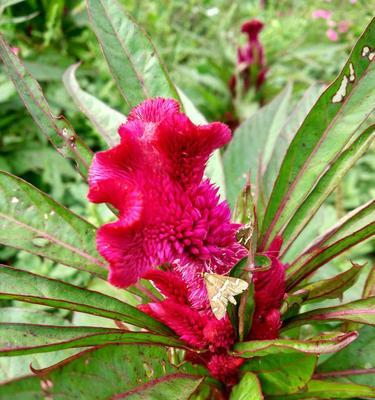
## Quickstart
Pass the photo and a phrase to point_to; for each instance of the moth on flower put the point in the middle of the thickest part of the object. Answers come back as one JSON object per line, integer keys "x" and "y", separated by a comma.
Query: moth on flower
{"x": 221, "y": 289}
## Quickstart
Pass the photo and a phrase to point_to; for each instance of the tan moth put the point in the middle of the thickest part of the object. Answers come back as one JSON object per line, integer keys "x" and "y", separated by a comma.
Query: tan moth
{"x": 221, "y": 289}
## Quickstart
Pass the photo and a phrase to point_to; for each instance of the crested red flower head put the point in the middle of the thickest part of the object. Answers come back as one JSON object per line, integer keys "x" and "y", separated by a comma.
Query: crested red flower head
{"x": 168, "y": 212}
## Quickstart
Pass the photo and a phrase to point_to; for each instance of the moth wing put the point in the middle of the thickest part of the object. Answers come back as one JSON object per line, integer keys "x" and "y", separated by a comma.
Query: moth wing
{"x": 236, "y": 286}
{"x": 218, "y": 302}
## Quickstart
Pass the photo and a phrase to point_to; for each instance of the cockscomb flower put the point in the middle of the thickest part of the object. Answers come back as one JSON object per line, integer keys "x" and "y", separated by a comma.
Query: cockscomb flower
{"x": 168, "y": 212}
{"x": 250, "y": 58}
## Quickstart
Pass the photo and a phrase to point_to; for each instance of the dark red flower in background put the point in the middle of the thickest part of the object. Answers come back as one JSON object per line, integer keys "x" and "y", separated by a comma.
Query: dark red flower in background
{"x": 251, "y": 63}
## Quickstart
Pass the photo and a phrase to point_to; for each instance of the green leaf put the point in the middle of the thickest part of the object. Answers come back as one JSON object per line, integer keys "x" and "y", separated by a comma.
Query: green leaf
{"x": 16, "y": 284}
{"x": 247, "y": 389}
{"x": 34, "y": 222}
{"x": 105, "y": 119}
{"x": 317, "y": 389}
{"x": 331, "y": 288}
{"x": 19, "y": 339}
{"x": 282, "y": 373}
{"x": 252, "y": 144}
{"x": 287, "y": 133}
{"x": 111, "y": 372}
{"x": 327, "y": 343}
{"x": 324, "y": 134}
{"x": 327, "y": 183}
{"x": 353, "y": 361}
{"x": 13, "y": 367}
{"x": 56, "y": 129}
{"x": 354, "y": 228}
{"x": 361, "y": 311}
{"x": 130, "y": 54}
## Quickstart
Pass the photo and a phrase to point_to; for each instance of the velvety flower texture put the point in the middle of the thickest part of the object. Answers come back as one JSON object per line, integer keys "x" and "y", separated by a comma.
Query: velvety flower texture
{"x": 169, "y": 215}
{"x": 269, "y": 291}
{"x": 167, "y": 212}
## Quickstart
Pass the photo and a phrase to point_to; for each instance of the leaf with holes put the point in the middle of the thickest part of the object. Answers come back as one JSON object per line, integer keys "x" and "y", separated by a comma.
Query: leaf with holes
{"x": 338, "y": 118}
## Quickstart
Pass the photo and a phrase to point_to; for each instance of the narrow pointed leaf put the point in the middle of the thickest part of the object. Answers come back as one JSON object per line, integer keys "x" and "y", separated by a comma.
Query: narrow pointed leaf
{"x": 246, "y": 151}
{"x": 331, "y": 288}
{"x": 111, "y": 372}
{"x": 361, "y": 311}
{"x": 247, "y": 389}
{"x": 57, "y": 129}
{"x": 319, "y": 389}
{"x": 338, "y": 117}
{"x": 287, "y": 133}
{"x": 16, "y": 284}
{"x": 354, "y": 360}
{"x": 105, "y": 119}
{"x": 282, "y": 373}
{"x": 130, "y": 54}
{"x": 327, "y": 183}
{"x": 19, "y": 339}
{"x": 34, "y": 222}
{"x": 327, "y": 343}
{"x": 354, "y": 228}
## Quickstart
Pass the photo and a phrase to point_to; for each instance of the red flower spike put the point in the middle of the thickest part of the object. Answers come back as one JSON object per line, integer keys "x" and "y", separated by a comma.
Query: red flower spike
{"x": 269, "y": 293}
{"x": 225, "y": 368}
{"x": 169, "y": 284}
{"x": 187, "y": 322}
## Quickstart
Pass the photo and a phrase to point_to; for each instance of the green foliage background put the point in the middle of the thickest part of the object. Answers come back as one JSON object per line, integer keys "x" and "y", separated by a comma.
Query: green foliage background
{"x": 197, "y": 40}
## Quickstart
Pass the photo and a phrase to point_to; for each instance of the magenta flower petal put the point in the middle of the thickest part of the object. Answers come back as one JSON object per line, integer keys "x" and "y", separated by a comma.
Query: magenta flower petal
{"x": 167, "y": 214}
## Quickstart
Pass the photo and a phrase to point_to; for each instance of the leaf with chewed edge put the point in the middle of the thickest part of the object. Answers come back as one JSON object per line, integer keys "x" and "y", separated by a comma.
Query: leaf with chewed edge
{"x": 338, "y": 118}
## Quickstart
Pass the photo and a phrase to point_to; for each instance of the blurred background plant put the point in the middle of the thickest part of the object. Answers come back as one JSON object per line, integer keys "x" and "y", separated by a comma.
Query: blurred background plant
{"x": 303, "y": 41}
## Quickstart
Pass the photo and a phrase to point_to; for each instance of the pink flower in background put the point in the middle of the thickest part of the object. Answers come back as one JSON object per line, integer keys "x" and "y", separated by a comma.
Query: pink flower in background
{"x": 332, "y": 35}
{"x": 321, "y": 13}
{"x": 343, "y": 26}
{"x": 15, "y": 51}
